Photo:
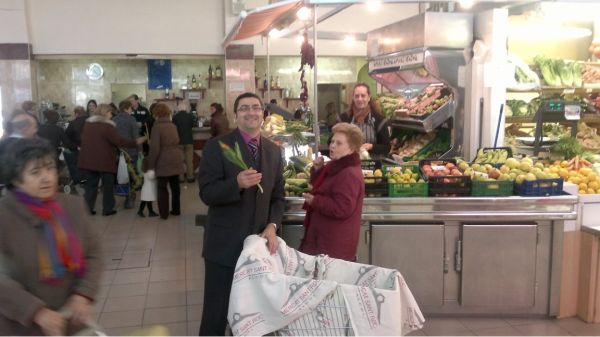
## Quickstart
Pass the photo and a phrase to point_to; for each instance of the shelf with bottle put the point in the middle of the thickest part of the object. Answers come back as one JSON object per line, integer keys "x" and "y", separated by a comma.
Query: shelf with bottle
{"x": 263, "y": 90}
{"x": 187, "y": 91}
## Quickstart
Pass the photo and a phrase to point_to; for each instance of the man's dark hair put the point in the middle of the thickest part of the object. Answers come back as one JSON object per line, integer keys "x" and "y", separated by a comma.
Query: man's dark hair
{"x": 242, "y": 96}
{"x": 134, "y": 96}
{"x": 19, "y": 153}
{"x": 51, "y": 116}
{"x": 12, "y": 126}
{"x": 125, "y": 104}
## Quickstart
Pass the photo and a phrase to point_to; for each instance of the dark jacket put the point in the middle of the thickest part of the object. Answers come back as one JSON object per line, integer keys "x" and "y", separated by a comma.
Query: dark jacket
{"x": 75, "y": 129}
{"x": 334, "y": 223}
{"x": 127, "y": 128}
{"x": 99, "y": 143}
{"x": 21, "y": 292}
{"x": 235, "y": 213}
{"x": 56, "y": 136}
{"x": 165, "y": 156}
{"x": 141, "y": 114}
{"x": 381, "y": 129}
{"x": 219, "y": 124}
{"x": 184, "y": 122}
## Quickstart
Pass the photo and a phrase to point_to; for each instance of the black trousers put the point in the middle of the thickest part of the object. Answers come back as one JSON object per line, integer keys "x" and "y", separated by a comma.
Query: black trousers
{"x": 163, "y": 195}
{"x": 91, "y": 189}
{"x": 217, "y": 286}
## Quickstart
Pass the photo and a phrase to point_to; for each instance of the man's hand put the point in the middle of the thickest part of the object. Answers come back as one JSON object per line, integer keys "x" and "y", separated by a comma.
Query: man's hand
{"x": 248, "y": 178}
{"x": 271, "y": 235}
{"x": 51, "y": 322}
{"x": 308, "y": 198}
{"x": 81, "y": 309}
{"x": 318, "y": 163}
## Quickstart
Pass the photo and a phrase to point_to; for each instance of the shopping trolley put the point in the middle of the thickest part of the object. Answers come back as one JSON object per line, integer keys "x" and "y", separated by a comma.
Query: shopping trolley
{"x": 295, "y": 294}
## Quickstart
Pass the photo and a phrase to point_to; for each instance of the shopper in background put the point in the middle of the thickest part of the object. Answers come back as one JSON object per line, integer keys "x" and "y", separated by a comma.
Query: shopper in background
{"x": 184, "y": 121}
{"x": 30, "y": 107}
{"x": 334, "y": 205}
{"x": 98, "y": 157}
{"x": 148, "y": 194}
{"x": 113, "y": 109}
{"x": 166, "y": 160}
{"x": 236, "y": 207}
{"x": 20, "y": 125}
{"x": 91, "y": 106}
{"x": 332, "y": 117}
{"x": 49, "y": 251}
{"x": 146, "y": 129}
{"x": 365, "y": 114}
{"x": 127, "y": 128}
{"x": 219, "y": 125}
{"x": 73, "y": 133}
{"x": 54, "y": 133}
{"x": 140, "y": 113}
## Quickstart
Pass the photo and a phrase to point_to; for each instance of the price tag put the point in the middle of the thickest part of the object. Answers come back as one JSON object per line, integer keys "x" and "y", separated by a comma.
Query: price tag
{"x": 572, "y": 112}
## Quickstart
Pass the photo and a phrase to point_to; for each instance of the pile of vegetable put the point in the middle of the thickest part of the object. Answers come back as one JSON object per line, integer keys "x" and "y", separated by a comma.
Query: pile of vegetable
{"x": 518, "y": 108}
{"x": 567, "y": 147}
{"x": 389, "y": 102}
{"x": 559, "y": 73}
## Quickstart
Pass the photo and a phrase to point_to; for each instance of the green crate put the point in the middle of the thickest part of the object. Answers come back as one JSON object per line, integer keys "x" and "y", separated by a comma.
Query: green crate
{"x": 492, "y": 188}
{"x": 400, "y": 190}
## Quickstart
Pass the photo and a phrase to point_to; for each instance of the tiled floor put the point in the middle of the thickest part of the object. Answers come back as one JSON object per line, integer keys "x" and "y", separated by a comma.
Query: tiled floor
{"x": 155, "y": 275}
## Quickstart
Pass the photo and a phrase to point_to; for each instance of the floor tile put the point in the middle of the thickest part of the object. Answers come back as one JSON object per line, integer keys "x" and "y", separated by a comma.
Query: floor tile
{"x": 194, "y": 312}
{"x": 125, "y": 331}
{"x": 130, "y": 289}
{"x": 107, "y": 277}
{"x": 445, "y": 326}
{"x": 165, "y": 315}
{"x": 166, "y": 287}
{"x": 121, "y": 319}
{"x": 124, "y": 303}
{"x": 166, "y": 299}
{"x": 542, "y": 329}
{"x": 176, "y": 329}
{"x": 577, "y": 327}
{"x": 195, "y": 297}
{"x": 167, "y": 274}
{"x": 507, "y": 330}
{"x": 98, "y": 305}
{"x": 196, "y": 284}
{"x": 483, "y": 323}
{"x": 527, "y": 321}
{"x": 193, "y": 327}
{"x": 126, "y": 276}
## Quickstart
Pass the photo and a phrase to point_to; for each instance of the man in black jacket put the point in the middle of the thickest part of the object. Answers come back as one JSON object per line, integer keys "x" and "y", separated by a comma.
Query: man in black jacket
{"x": 237, "y": 208}
{"x": 184, "y": 121}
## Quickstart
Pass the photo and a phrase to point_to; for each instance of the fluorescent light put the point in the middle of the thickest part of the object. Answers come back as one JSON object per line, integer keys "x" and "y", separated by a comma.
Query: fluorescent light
{"x": 373, "y": 5}
{"x": 466, "y": 4}
{"x": 299, "y": 39}
{"x": 304, "y": 14}
{"x": 349, "y": 40}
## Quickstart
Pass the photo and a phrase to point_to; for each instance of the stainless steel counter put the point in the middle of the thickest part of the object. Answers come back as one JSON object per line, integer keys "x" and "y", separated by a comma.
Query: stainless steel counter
{"x": 470, "y": 208}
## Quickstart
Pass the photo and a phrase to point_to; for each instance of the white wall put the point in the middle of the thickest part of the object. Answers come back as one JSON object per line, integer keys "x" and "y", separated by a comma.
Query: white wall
{"x": 13, "y": 22}
{"x": 124, "y": 27}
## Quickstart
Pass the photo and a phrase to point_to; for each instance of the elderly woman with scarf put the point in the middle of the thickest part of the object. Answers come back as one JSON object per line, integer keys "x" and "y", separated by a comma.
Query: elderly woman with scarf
{"x": 365, "y": 114}
{"x": 50, "y": 257}
{"x": 334, "y": 206}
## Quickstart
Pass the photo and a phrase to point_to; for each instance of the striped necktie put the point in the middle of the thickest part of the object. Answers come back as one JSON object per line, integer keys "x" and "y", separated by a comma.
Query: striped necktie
{"x": 253, "y": 145}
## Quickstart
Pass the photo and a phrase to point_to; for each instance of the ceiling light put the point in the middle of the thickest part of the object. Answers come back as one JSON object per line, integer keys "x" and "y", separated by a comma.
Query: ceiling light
{"x": 275, "y": 33}
{"x": 466, "y": 4}
{"x": 299, "y": 39}
{"x": 373, "y": 5}
{"x": 303, "y": 14}
{"x": 349, "y": 40}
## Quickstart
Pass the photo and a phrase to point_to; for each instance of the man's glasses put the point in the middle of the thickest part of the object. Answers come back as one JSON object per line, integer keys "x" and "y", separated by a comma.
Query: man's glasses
{"x": 247, "y": 108}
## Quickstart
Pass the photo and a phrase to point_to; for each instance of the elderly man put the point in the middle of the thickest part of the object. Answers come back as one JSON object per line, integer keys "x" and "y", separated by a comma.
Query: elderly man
{"x": 128, "y": 128}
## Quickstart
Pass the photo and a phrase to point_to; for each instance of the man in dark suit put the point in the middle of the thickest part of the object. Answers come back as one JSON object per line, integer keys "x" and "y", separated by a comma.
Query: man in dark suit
{"x": 237, "y": 208}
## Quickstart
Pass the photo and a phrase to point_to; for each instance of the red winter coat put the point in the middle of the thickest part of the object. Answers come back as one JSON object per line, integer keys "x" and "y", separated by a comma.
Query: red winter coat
{"x": 333, "y": 224}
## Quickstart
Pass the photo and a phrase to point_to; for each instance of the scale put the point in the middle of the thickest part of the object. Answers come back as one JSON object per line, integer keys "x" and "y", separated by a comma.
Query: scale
{"x": 555, "y": 111}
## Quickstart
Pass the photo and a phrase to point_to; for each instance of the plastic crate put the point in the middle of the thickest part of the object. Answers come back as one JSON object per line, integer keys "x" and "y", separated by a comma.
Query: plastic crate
{"x": 446, "y": 186}
{"x": 376, "y": 189}
{"x": 498, "y": 188}
{"x": 406, "y": 189}
{"x": 539, "y": 188}
{"x": 370, "y": 164}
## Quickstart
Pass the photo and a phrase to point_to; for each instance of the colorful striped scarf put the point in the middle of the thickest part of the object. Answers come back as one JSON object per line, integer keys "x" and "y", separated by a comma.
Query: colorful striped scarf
{"x": 59, "y": 250}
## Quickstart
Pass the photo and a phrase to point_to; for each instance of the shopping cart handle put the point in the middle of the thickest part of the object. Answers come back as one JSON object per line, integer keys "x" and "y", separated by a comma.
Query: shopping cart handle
{"x": 90, "y": 327}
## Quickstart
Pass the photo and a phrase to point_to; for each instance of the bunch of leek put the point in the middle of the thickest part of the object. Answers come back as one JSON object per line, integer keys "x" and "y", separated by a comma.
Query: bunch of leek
{"x": 548, "y": 70}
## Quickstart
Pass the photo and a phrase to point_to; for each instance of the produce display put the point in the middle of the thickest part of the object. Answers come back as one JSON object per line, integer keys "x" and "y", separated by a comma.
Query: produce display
{"x": 428, "y": 101}
{"x": 398, "y": 175}
{"x": 588, "y": 137}
{"x": 296, "y": 175}
{"x": 557, "y": 73}
{"x": 413, "y": 145}
{"x": 595, "y": 48}
{"x": 274, "y": 124}
{"x": 590, "y": 74}
{"x": 518, "y": 108}
{"x": 579, "y": 172}
{"x": 491, "y": 156}
{"x": 389, "y": 102}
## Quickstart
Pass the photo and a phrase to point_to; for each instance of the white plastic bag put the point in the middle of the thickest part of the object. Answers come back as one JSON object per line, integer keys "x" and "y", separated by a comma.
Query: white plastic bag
{"x": 122, "y": 173}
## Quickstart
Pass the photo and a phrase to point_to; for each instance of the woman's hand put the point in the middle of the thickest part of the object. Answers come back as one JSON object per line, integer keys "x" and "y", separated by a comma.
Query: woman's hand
{"x": 271, "y": 235}
{"x": 318, "y": 163}
{"x": 308, "y": 198}
{"x": 141, "y": 140}
{"x": 51, "y": 322}
{"x": 367, "y": 146}
{"x": 81, "y": 309}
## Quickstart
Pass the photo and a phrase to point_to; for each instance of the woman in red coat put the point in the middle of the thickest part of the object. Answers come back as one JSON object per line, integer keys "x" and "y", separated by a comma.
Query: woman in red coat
{"x": 334, "y": 206}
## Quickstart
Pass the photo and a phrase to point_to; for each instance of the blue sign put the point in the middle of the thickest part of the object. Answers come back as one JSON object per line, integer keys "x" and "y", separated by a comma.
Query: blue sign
{"x": 159, "y": 74}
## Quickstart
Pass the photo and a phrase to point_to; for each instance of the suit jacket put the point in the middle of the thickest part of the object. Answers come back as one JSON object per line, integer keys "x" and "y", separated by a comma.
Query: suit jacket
{"x": 21, "y": 291}
{"x": 235, "y": 213}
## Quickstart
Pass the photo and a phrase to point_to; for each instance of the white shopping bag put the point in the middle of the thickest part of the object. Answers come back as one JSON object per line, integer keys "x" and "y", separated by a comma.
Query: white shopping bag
{"x": 122, "y": 173}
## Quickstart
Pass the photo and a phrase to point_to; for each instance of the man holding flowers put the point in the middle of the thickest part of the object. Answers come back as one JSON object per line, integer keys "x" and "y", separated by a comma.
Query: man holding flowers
{"x": 241, "y": 181}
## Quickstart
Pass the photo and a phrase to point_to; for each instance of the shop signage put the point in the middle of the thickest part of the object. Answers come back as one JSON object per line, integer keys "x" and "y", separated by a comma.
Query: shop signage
{"x": 396, "y": 62}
